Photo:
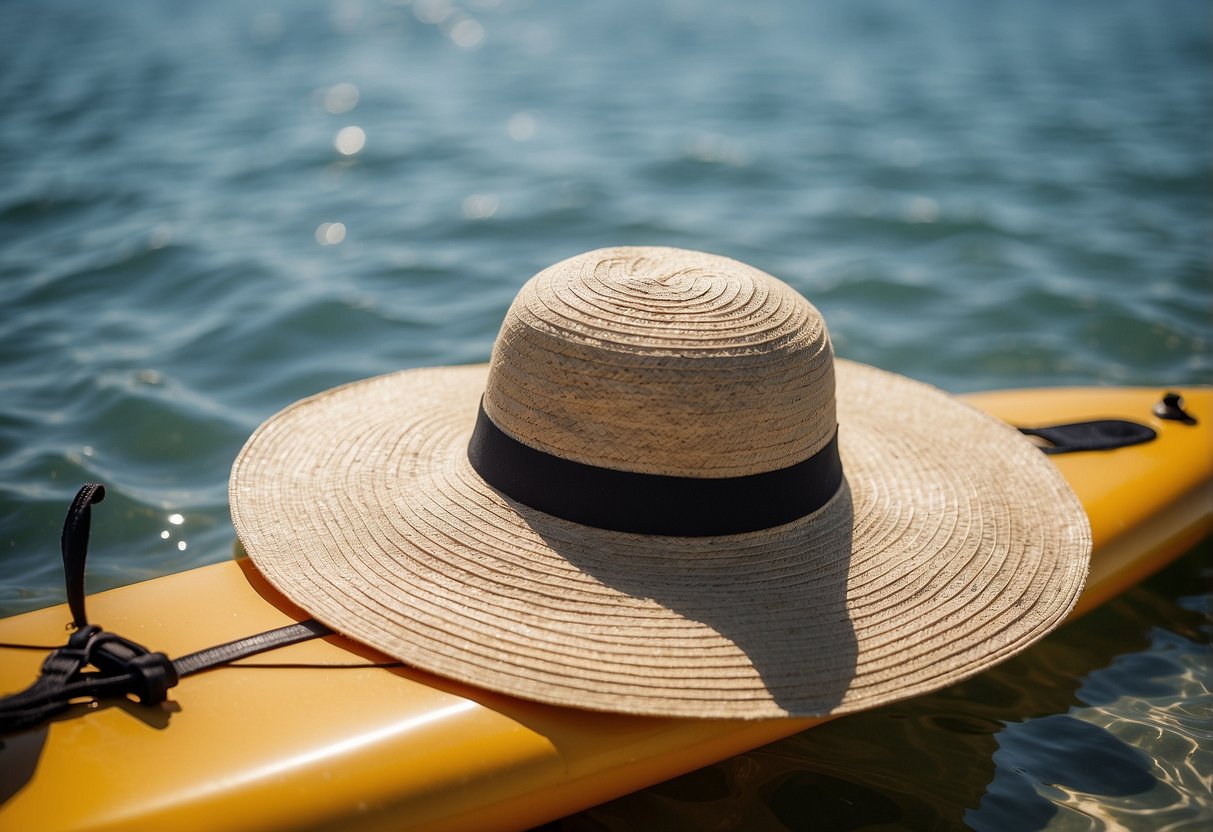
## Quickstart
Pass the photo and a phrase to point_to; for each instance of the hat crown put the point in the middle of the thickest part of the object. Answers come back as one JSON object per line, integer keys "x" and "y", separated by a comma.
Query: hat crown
{"x": 663, "y": 361}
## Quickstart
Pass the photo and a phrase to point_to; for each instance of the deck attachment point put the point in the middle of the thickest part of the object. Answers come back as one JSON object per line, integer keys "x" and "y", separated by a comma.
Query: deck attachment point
{"x": 1172, "y": 407}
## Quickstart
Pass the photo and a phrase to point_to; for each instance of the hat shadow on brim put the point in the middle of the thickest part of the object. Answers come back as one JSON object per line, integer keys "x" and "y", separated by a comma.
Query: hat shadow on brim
{"x": 787, "y": 627}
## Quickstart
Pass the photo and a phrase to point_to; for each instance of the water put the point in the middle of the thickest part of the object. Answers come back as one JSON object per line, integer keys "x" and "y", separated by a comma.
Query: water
{"x": 210, "y": 210}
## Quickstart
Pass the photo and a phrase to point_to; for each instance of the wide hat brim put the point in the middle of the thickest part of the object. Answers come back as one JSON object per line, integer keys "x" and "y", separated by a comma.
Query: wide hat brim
{"x": 952, "y": 544}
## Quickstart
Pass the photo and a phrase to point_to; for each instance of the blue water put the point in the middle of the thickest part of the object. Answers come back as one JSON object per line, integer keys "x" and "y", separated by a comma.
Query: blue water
{"x": 210, "y": 210}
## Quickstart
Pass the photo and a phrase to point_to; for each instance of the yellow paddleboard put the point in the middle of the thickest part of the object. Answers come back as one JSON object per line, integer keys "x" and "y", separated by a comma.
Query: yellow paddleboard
{"x": 313, "y": 736}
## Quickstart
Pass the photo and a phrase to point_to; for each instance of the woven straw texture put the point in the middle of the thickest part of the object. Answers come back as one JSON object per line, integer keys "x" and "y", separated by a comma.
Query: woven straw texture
{"x": 953, "y": 543}
{"x": 663, "y": 362}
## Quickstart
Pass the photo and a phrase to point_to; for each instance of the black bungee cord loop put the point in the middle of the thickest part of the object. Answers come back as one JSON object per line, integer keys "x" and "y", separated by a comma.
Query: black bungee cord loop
{"x": 121, "y": 667}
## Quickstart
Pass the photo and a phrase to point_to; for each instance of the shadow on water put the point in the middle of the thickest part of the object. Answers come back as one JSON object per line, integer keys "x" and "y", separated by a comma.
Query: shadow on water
{"x": 1060, "y": 751}
{"x": 782, "y": 612}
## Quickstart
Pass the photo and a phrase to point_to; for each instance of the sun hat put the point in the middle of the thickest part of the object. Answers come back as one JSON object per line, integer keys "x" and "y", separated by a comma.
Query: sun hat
{"x": 665, "y": 496}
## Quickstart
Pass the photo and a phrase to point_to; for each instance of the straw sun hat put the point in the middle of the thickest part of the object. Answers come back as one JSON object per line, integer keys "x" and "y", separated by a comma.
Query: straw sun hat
{"x": 665, "y": 496}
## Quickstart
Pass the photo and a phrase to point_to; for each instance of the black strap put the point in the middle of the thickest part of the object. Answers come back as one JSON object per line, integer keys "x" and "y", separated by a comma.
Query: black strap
{"x": 250, "y": 646}
{"x": 122, "y": 667}
{"x": 1099, "y": 435}
{"x": 627, "y": 501}
{"x": 74, "y": 544}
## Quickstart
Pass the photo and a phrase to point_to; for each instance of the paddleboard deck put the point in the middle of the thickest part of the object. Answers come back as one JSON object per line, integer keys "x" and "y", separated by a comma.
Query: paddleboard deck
{"x": 320, "y": 735}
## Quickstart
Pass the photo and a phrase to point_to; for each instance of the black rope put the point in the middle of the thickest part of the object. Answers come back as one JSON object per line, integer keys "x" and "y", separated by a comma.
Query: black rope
{"x": 121, "y": 667}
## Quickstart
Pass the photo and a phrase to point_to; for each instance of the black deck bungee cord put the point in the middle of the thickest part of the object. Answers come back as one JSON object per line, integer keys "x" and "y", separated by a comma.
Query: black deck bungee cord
{"x": 122, "y": 668}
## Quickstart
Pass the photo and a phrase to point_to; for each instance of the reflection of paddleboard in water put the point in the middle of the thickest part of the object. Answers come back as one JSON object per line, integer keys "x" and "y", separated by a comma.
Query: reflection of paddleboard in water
{"x": 310, "y": 741}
